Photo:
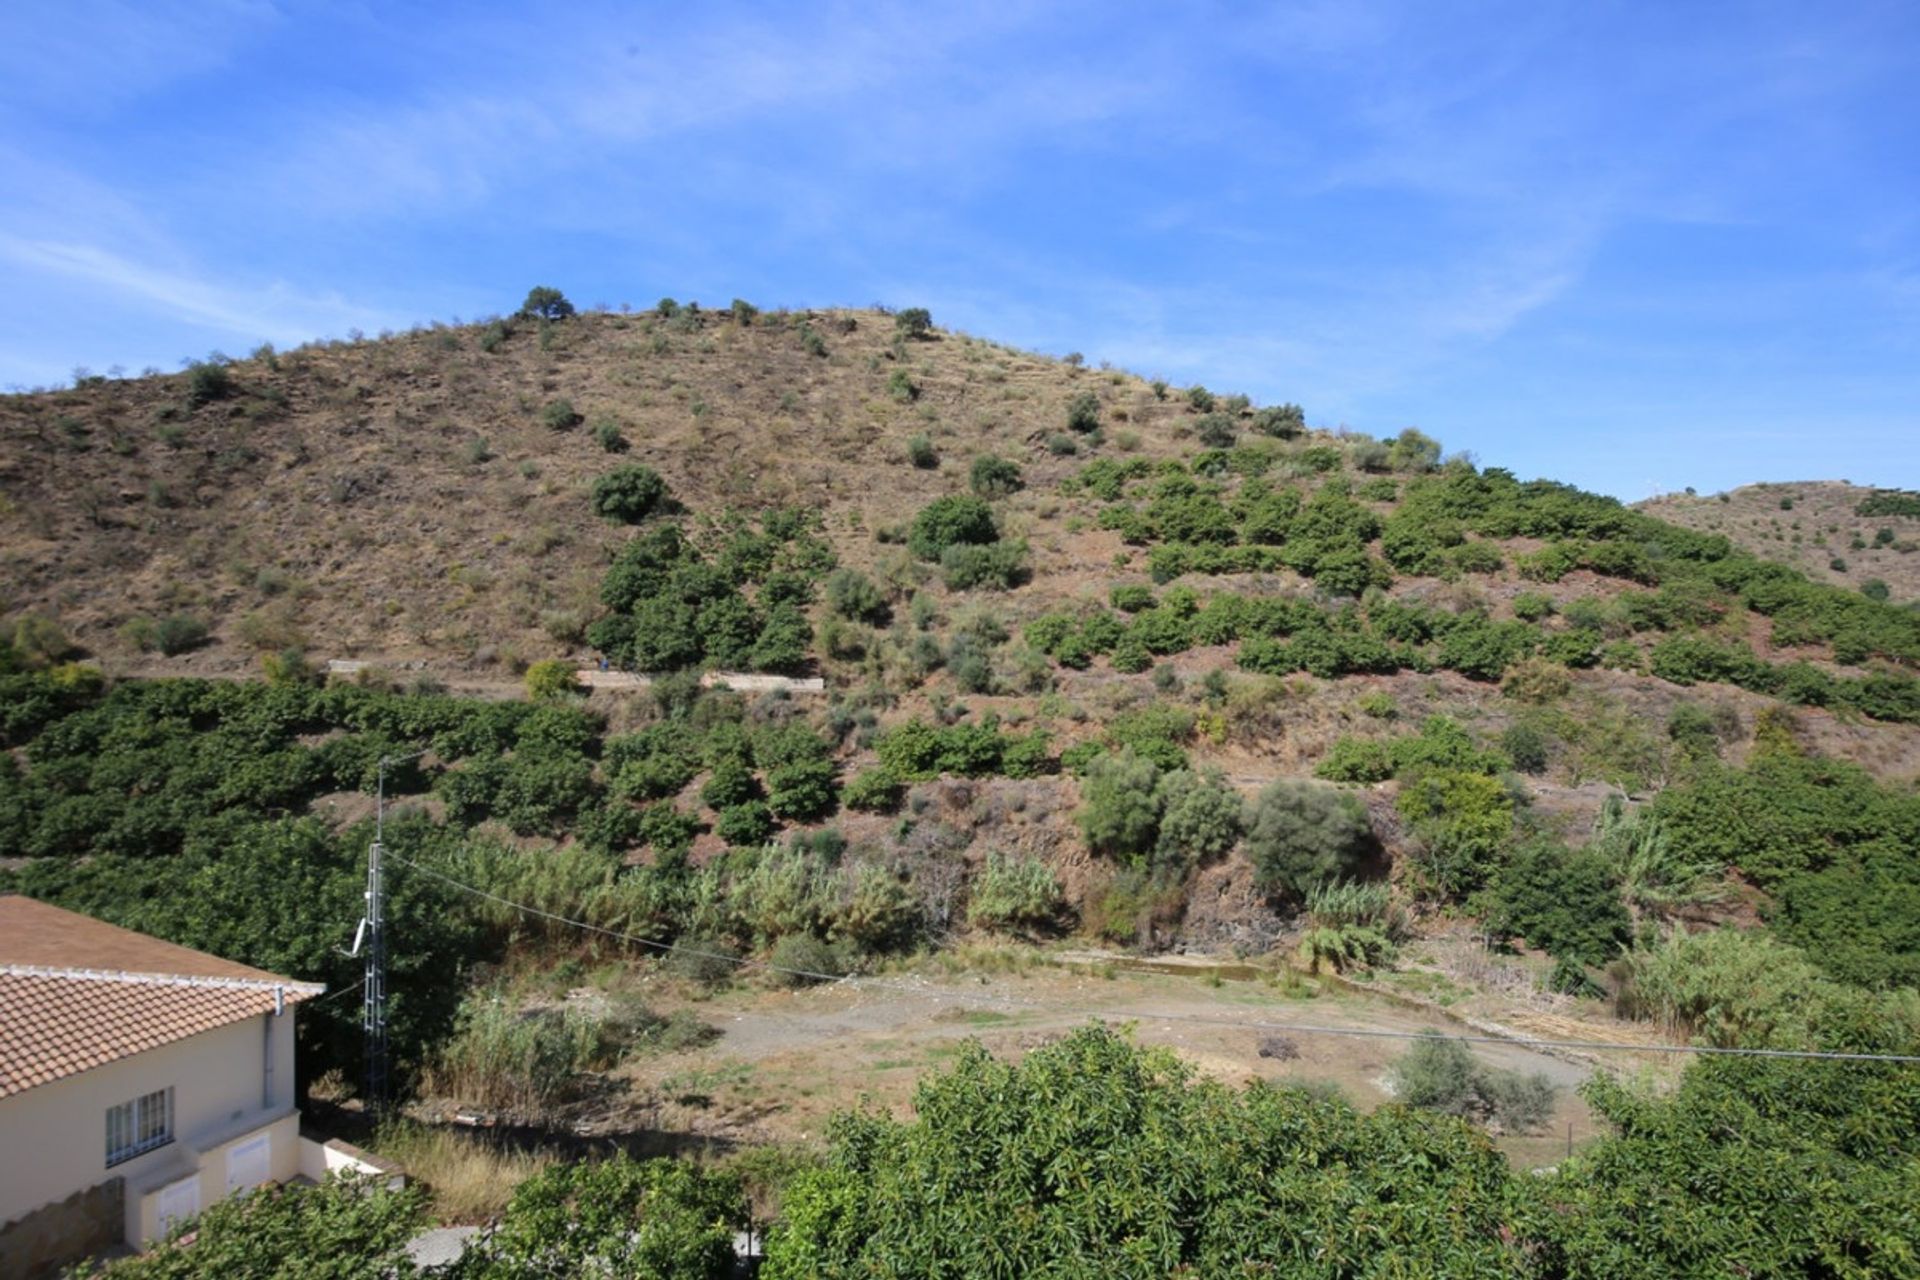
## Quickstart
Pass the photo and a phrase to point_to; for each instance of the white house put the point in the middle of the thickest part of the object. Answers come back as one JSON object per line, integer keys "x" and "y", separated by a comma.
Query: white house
{"x": 139, "y": 1082}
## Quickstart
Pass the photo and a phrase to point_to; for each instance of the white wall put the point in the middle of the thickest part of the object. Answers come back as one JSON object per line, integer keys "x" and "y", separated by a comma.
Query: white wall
{"x": 54, "y": 1137}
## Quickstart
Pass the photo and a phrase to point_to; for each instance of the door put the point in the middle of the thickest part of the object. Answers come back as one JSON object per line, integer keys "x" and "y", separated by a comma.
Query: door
{"x": 178, "y": 1200}
{"x": 248, "y": 1163}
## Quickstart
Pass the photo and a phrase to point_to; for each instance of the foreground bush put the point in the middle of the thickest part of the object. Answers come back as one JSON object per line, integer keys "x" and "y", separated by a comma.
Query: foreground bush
{"x": 1094, "y": 1157}
{"x": 344, "y": 1229}
{"x": 644, "y": 1219}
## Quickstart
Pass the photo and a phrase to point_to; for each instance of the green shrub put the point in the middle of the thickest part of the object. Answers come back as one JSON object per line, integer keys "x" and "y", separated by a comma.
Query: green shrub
{"x": 744, "y": 824}
{"x": 949, "y": 522}
{"x": 629, "y": 494}
{"x": 172, "y": 635}
{"x": 913, "y": 322}
{"x": 732, "y": 783}
{"x": 994, "y": 477}
{"x": 614, "y": 1216}
{"x": 1015, "y": 893}
{"x": 1526, "y": 747}
{"x": 852, "y": 594}
{"x": 1300, "y": 835}
{"x": 801, "y": 960}
{"x": 1439, "y": 1074}
{"x": 1199, "y": 819}
{"x": 873, "y": 790}
{"x": 1119, "y": 813}
{"x": 1352, "y": 759}
{"x": 1377, "y": 704}
{"x": 704, "y": 959}
{"x": 550, "y": 679}
{"x": 998, "y": 566}
{"x": 1216, "y": 431}
{"x": 1531, "y": 606}
{"x": 1171, "y": 1175}
{"x": 36, "y": 641}
{"x": 1566, "y": 903}
{"x": 1283, "y": 420}
{"x": 354, "y": 1227}
{"x": 922, "y": 454}
{"x": 1083, "y": 413}
{"x": 607, "y": 434}
{"x": 207, "y": 381}
{"x": 900, "y": 387}
{"x": 1463, "y": 821}
{"x": 1062, "y": 445}
{"x": 803, "y": 790}
{"x": 559, "y": 415}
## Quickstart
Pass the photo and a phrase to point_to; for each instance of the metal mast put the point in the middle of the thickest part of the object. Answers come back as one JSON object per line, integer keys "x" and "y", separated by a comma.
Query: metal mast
{"x": 374, "y": 1014}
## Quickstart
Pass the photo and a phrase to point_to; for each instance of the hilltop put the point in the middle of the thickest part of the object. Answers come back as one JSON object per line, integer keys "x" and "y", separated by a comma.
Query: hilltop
{"x": 1832, "y": 531}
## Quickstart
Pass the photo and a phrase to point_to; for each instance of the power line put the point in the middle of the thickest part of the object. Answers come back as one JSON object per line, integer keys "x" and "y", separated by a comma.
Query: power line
{"x": 1296, "y": 1028}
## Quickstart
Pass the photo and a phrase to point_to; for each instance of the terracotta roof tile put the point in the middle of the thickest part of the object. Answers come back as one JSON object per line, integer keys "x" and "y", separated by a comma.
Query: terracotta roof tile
{"x": 76, "y": 993}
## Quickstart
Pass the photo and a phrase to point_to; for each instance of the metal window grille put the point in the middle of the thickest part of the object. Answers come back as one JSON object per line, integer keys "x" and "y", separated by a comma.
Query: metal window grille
{"x": 139, "y": 1126}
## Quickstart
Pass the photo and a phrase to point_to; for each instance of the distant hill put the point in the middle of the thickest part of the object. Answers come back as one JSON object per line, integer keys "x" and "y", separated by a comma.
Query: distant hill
{"x": 1831, "y": 530}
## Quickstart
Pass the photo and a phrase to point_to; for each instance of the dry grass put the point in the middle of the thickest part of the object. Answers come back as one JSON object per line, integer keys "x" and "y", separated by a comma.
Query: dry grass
{"x": 1809, "y": 526}
{"x": 469, "y": 1177}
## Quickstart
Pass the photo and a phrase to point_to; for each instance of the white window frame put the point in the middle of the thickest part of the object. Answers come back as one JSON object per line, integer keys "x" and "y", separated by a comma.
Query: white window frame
{"x": 137, "y": 1127}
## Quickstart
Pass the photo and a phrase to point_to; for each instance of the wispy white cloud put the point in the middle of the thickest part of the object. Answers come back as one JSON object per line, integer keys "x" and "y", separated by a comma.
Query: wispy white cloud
{"x": 272, "y": 311}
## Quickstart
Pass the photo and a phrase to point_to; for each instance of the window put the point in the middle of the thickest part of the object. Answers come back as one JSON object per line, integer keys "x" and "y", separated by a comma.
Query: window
{"x": 140, "y": 1125}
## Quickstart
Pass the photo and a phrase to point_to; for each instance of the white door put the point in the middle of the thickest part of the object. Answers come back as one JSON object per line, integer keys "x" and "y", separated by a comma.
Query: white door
{"x": 249, "y": 1163}
{"x": 178, "y": 1200}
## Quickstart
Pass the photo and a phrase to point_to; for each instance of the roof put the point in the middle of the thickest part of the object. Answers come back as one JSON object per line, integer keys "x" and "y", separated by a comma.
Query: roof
{"x": 77, "y": 993}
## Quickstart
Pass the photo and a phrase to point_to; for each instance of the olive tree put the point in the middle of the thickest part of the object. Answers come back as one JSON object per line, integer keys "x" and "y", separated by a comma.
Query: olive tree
{"x": 1302, "y": 834}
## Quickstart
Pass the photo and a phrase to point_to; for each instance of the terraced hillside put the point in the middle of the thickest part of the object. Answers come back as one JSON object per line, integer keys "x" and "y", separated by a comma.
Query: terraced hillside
{"x": 1011, "y": 571}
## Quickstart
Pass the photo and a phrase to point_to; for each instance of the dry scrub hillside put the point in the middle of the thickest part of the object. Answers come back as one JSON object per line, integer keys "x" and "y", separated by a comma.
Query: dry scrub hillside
{"x": 422, "y": 502}
{"x": 420, "y": 499}
{"x": 1816, "y": 526}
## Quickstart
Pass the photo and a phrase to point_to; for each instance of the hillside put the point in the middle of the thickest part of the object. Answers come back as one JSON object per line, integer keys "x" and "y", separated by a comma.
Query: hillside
{"x": 421, "y": 502}
{"x": 1108, "y": 670}
{"x": 1830, "y": 530}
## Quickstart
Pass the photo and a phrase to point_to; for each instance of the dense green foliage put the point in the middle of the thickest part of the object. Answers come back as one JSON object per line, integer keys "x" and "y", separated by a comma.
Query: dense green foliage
{"x": 994, "y": 477}
{"x": 1224, "y": 515}
{"x": 738, "y": 604}
{"x": 343, "y": 1229}
{"x": 1143, "y": 813}
{"x": 645, "y": 1219}
{"x": 1300, "y": 836}
{"x": 1565, "y": 902}
{"x": 1889, "y": 502}
{"x": 627, "y": 494}
{"x": 953, "y": 521}
{"x": 1835, "y": 851}
{"x": 1096, "y": 1158}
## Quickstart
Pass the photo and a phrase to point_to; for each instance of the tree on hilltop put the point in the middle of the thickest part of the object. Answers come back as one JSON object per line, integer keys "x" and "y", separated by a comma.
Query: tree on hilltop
{"x": 914, "y": 322}
{"x": 544, "y": 303}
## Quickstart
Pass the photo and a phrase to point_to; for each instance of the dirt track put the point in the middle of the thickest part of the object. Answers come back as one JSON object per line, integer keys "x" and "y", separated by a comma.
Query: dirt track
{"x": 786, "y": 1060}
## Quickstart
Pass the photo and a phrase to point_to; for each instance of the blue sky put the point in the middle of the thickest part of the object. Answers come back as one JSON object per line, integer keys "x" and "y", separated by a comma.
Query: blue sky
{"x": 1634, "y": 246}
